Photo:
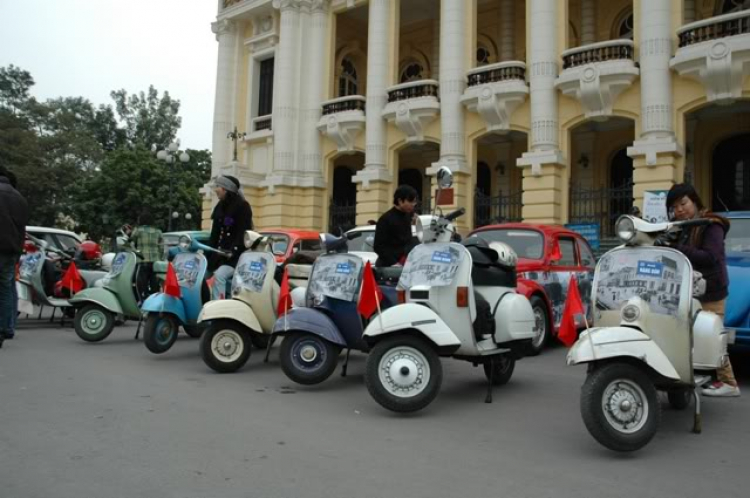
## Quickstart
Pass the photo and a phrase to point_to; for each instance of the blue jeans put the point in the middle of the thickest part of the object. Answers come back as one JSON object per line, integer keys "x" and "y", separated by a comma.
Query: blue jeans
{"x": 8, "y": 294}
{"x": 222, "y": 281}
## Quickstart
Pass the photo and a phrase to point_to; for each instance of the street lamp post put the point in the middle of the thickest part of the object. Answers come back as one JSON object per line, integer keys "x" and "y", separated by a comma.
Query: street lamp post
{"x": 176, "y": 216}
{"x": 171, "y": 155}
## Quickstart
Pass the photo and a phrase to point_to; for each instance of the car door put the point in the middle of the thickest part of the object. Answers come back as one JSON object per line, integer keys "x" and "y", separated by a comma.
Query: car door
{"x": 558, "y": 278}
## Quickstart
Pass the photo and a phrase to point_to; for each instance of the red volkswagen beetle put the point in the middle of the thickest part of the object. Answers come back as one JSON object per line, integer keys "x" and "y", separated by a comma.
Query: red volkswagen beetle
{"x": 547, "y": 256}
{"x": 285, "y": 242}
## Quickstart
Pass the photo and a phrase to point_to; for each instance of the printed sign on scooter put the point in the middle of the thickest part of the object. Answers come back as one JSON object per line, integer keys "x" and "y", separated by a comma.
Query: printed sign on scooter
{"x": 650, "y": 269}
{"x": 442, "y": 257}
{"x": 28, "y": 265}
{"x": 251, "y": 273}
{"x": 344, "y": 269}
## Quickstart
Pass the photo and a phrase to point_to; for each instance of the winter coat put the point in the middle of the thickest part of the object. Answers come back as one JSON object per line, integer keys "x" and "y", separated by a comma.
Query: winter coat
{"x": 232, "y": 217}
{"x": 14, "y": 215}
{"x": 704, "y": 247}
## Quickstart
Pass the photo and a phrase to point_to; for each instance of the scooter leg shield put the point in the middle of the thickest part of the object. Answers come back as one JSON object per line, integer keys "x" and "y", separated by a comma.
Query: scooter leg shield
{"x": 412, "y": 317}
{"x": 230, "y": 309}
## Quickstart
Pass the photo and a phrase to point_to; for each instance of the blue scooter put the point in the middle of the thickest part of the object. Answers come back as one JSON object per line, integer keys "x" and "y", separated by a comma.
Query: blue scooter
{"x": 314, "y": 335}
{"x": 164, "y": 314}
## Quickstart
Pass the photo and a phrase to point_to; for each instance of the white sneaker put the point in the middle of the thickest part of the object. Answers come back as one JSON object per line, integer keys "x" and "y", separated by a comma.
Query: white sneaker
{"x": 720, "y": 389}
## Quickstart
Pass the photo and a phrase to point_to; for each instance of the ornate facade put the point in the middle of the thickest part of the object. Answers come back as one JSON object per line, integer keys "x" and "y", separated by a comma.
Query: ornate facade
{"x": 552, "y": 111}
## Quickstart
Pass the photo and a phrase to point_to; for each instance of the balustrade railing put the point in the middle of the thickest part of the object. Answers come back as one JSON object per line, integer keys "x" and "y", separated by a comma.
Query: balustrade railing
{"x": 736, "y": 23}
{"x": 493, "y": 73}
{"x": 413, "y": 90}
{"x": 598, "y": 52}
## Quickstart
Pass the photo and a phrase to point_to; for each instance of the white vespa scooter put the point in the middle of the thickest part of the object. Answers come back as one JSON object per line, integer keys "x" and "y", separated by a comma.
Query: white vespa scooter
{"x": 652, "y": 336}
{"x": 460, "y": 302}
{"x": 248, "y": 318}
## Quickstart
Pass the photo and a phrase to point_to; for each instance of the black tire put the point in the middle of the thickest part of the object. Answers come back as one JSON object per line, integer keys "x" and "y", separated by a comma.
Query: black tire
{"x": 160, "y": 332}
{"x": 626, "y": 383}
{"x": 260, "y": 341}
{"x": 93, "y": 323}
{"x": 504, "y": 366}
{"x": 307, "y": 358}
{"x": 231, "y": 355}
{"x": 679, "y": 400}
{"x": 543, "y": 322}
{"x": 69, "y": 312}
{"x": 417, "y": 353}
{"x": 194, "y": 331}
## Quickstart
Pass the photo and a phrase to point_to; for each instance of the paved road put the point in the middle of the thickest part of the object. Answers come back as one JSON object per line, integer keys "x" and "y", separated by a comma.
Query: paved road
{"x": 107, "y": 420}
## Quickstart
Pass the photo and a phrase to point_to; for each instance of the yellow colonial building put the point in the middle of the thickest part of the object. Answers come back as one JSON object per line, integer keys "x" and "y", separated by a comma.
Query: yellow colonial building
{"x": 552, "y": 111}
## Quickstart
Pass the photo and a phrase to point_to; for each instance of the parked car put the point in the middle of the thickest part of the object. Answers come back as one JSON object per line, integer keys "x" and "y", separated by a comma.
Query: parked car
{"x": 285, "y": 242}
{"x": 361, "y": 241}
{"x": 63, "y": 240}
{"x": 547, "y": 256}
{"x": 737, "y": 245}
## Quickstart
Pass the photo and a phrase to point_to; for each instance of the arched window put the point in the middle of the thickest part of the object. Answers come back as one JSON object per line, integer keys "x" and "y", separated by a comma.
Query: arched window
{"x": 348, "y": 84}
{"x": 483, "y": 56}
{"x": 625, "y": 27}
{"x": 412, "y": 71}
{"x": 728, "y": 6}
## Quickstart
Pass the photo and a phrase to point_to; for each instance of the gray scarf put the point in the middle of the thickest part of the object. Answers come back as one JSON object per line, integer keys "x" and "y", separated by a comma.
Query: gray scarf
{"x": 228, "y": 185}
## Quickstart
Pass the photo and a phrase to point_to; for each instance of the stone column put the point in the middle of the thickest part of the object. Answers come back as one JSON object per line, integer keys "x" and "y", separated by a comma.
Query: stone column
{"x": 225, "y": 80}
{"x": 374, "y": 189}
{"x": 507, "y": 31}
{"x": 314, "y": 87}
{"x": 588, "y": 22}
{"x": 545, "y": 187}
{"x": 452, "y": 85}
{"x": 655, "y": 152}
{"x": 285, "y": 98}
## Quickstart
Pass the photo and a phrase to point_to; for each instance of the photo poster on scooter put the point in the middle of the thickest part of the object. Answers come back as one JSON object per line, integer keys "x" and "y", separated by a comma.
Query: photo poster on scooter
{"x": 28, "y": 266}
{"x": 187, "y": 268}
{"x": 655, "y": 206}
{"x": 118, "y": 264}
{"x": 651, "y": 274}
{"x": 432, "y": 264}
{"x": 336, "y": 276}
{"x": 251, "y": 272}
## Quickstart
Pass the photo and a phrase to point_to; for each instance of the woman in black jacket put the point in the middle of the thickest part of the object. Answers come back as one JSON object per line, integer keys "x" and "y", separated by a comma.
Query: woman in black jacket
{"x": 231, "y": 218}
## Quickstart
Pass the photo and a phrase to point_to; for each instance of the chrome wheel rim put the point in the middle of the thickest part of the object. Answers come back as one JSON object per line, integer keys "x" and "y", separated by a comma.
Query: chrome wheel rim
{"x": 404, "y": 371}
{"x": 227, "y": 346}
{"x": 625, "y": 406}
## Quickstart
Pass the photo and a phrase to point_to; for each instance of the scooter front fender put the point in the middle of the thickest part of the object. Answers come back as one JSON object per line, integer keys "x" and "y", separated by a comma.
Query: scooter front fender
{"x": 311, "y": 321}
{"x": 162, "y": 303}
{"x": 230, "y": 309}
{"x": 97, "y": 295}
{"x": 605, "y": 343}
{"x": 412, "y": 316}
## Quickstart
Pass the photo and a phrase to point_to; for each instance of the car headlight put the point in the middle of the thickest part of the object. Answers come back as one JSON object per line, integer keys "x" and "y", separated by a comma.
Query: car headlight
{"x": 185, "y": 242}
{"x": 625, "y": 229}
{"x": 631, "y": 313}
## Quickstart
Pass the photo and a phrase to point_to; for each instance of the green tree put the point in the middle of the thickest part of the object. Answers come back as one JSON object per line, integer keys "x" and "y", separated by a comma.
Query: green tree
{"x": 15, "y": 84}
{"x": 148, "y": 119}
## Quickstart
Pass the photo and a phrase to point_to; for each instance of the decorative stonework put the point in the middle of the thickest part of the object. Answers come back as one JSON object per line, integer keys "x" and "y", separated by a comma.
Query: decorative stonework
{"x": 223, "y": 27}
{"x": 265, "y": 35}
{"x": 716, "y": 53}
{"x": 412, "y": 106}
{"x": 495, "y": 92}
{"x": 596, "y": 74}
{"x": 343, "y": 120}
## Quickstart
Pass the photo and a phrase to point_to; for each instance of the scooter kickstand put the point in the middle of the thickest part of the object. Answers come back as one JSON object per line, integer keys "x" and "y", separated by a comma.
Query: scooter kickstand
{"x": 698, "y": 417}
{"x": 138, "y": 330}
{"x": 346, "y": 363}
{"x": 52, "y": 318}
{"x": 488, "y": 399}
{"x": 268, "y": 348}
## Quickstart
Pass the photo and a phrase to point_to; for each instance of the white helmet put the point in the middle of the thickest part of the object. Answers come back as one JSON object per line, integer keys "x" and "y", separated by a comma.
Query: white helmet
{"x": 505, "y": 254}
{"x": 107, "y": 260}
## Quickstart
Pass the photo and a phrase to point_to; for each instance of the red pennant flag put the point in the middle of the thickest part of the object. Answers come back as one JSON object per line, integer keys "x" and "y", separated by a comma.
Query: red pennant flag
{"x": 573, "y": 306}
{"x": 285, "y": 296}
{"x": 72, "y": 279}
{"x": 556, "y": 254}
{"x": 171, "y": 285}
{"x": 370, "y": 295}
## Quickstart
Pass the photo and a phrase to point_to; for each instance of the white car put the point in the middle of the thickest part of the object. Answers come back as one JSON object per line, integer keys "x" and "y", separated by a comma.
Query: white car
{"x": 361, "y": 240}
{"x": 59, "y": 239}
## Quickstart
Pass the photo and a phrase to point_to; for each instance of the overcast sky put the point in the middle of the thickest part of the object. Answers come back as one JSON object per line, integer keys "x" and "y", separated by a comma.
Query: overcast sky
{"x": 90, "y": 47}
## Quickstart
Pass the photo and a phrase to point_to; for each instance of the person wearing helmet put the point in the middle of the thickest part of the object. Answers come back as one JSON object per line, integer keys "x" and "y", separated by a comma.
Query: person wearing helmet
{"x": 231, "y": 218}
{"x": 393, "y": 235}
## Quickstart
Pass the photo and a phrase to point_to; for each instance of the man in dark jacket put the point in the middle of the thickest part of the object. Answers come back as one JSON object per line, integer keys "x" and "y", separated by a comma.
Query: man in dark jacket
{"x": 232, "y": 217}
{"x": 393, "y": 236}
{"x": 14, "y": 214}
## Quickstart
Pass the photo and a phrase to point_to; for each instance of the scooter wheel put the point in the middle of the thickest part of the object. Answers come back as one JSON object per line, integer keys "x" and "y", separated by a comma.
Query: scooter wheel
{"x": 93, "y": 323}
{"x": 679, "y": 400}
{"x": 194, "y": 331}
{"x": 541, "y": 326}
{"x": 308, "y": 359}
{"x": 620, "y": 407}
{"x": 403, "y": 373}
{"x": 225, "y": 346}
{"x": 260, "y": 341}
{"x": 160, "y": 332}
{"x": 503, "y": 366}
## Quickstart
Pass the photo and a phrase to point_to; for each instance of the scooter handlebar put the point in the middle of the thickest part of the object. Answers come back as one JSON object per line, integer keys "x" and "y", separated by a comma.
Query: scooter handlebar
{"x": 455, "y": 214}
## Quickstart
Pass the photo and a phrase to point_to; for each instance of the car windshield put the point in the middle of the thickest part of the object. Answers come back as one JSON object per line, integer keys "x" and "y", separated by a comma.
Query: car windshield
{"x": 279, "y": 243}
{"x": 528, "y": 244}
{"x": 738, "y": 238}
{"x": 357, "y": 241}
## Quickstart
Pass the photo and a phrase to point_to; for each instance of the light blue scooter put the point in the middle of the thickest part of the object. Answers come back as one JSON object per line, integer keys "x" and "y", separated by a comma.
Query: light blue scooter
{"x": 164, "y": 314}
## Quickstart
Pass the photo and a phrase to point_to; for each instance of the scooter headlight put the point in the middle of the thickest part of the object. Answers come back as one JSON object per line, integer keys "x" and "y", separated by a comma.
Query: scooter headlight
{"x": 185, "y": 242}
{"x": 631, "y": 313}
{"x": 625, "y": 229}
